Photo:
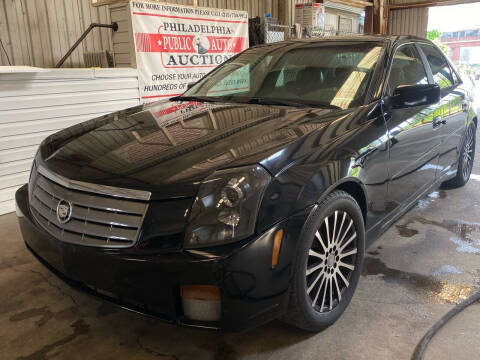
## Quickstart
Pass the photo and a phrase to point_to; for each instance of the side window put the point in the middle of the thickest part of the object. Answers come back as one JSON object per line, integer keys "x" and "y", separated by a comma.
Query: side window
{"x": 442, "y": 75}
{"x": 407, "y": 68}
{"x": 456, "y": 80}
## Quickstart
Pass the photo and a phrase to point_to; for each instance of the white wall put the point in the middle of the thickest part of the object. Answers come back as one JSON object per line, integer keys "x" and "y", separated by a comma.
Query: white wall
{"x": 36, "y": 104}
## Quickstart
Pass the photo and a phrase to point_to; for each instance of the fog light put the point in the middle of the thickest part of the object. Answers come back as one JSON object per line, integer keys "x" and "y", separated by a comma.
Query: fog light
{"x": 201, "y": 302}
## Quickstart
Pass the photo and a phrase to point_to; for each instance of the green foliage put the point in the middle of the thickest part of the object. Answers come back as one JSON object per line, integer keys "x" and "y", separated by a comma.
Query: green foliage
{"x": 434, "y": 36}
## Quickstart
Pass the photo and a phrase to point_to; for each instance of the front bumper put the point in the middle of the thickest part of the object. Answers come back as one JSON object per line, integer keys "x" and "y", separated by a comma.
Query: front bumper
{"x": 252, "y": 292}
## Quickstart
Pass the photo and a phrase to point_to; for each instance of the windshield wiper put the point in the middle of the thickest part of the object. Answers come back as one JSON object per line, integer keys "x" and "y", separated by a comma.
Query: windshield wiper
{"x": 194, "y": 98}
{"x": 269, "y": 101}
{"x": 255, "y": 100}
{"x": 325, "y": 105}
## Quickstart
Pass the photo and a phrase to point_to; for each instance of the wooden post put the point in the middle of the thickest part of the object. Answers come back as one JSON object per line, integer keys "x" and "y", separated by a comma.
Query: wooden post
{"x": 376, "y": 18}
{"x": 368, "y": 26}
{"x": 284, "y": 12}
{"x": 382, "y": 17}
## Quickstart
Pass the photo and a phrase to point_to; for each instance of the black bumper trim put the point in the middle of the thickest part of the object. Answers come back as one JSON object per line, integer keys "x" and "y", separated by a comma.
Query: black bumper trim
{"x": 145, "y": 310}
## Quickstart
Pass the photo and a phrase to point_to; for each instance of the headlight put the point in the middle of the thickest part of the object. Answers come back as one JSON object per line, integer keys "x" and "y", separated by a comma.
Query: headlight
{"x": 226, "y": 206}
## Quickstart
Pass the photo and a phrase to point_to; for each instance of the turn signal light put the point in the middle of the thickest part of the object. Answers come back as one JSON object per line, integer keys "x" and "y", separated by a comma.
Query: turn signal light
{"x": 201, "y": 302}
{"x": 277, "y": 243}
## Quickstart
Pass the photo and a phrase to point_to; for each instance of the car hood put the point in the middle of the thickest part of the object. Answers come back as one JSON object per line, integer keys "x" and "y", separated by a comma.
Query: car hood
{"x": 167, "y": 148}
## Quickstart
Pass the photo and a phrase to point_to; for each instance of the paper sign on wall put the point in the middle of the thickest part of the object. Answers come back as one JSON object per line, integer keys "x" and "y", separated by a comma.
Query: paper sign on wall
{"x": 177, "y": 45}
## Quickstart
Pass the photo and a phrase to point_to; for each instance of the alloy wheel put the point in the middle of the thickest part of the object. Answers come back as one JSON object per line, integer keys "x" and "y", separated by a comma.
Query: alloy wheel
{"x": 331, "y": 261}
{"x": 467, "y": 161}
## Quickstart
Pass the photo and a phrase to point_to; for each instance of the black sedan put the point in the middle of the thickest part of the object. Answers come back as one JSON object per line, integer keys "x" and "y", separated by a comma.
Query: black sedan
{"x": 254, "y": 194}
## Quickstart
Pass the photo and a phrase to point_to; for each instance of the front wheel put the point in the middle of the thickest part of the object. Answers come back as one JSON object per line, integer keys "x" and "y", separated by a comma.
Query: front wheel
{"x": 465, "y": 160}
{"x": 328, "y": 263}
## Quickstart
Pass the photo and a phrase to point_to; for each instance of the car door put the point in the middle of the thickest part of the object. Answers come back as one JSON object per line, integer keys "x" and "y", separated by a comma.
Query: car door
{"x": 454, "y": 106}
{"x": 414, "y": 136}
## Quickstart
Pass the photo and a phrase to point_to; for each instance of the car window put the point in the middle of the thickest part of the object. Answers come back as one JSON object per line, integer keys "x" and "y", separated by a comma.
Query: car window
{"x": 238, "y": 81}
{"x": 331, "y": 74}
{"x": 442, "y": 74}
{"x": 456, "y": 80}
{"x": 407, "y": 68}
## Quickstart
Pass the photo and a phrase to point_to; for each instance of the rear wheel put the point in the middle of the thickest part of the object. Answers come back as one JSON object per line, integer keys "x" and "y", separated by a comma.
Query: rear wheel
{"x": 328, "y": 263}
{"x": 465, "y": 160}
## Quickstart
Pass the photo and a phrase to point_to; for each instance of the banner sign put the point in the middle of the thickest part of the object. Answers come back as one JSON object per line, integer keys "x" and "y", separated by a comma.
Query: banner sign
{"x": 177, "y": 45}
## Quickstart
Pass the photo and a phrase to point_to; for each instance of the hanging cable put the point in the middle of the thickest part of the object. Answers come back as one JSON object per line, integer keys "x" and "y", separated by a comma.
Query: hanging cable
{"x": 5, "y": 51}
{"x": 422, "y": 345}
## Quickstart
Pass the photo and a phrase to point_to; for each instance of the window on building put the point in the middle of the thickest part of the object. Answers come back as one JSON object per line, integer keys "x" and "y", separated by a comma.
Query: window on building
{"x": 472, "y": 33}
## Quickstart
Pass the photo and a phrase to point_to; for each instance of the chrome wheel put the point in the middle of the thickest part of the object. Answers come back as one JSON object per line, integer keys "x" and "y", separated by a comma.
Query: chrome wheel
{"x": 331, "y": 261}
{"x": 467, "y": 161}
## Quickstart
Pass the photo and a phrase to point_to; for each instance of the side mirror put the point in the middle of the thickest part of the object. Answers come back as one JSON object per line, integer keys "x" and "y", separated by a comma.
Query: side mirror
{"x": 405, "y": 96}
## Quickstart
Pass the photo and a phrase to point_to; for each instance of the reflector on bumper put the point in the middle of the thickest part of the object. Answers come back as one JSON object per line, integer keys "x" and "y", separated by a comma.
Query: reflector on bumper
{"x": 201, "y": 302}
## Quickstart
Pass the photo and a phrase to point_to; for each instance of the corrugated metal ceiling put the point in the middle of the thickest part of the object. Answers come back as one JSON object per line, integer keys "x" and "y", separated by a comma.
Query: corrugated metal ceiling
{"x": 408, "y": 21}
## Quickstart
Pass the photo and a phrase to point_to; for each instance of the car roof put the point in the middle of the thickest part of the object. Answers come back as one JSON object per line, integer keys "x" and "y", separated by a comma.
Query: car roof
{"x": 358, "y": 37}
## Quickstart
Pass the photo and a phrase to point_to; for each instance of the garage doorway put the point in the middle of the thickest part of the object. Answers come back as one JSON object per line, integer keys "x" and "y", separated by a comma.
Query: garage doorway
{"x": 456, "y": 29}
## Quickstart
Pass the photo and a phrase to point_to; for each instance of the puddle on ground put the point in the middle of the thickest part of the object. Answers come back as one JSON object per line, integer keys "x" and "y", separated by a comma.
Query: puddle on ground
{"x": 79, "y": 328}
{"x": 462, "y": 229}
{"x": 465, "y": 246}
{"x": 446, "y": 269}
{"x": 405, "y": 231}
{"x": 467, "y": 235}
{"x": 428, "y": 200}
{"x": 438, "y": 194}
{"x": 436, "y": 290}
{"x": 42, "y": 313}
{"x": 375, "y": 252}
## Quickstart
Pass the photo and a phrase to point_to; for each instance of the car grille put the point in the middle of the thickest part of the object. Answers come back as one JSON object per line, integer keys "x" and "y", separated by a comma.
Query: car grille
{"x": 96, "y": 219}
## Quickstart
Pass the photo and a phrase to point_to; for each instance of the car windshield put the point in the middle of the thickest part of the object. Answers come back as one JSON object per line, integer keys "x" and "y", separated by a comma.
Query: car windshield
{"x": 324, "y": 74}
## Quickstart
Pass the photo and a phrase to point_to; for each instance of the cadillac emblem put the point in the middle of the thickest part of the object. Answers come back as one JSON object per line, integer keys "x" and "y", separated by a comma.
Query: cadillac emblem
{"x": 64, "y": 211}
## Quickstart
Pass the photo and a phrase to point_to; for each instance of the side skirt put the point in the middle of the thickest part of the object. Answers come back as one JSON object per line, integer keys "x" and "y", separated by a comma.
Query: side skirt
{"x": 375, "y": 232}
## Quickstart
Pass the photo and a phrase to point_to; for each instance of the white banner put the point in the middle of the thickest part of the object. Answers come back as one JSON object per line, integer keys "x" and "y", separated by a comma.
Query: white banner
{"x": 176, "y": 45}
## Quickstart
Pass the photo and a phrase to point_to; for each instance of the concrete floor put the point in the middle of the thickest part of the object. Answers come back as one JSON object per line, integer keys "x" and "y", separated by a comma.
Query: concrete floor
{"x": 413, "y": 274}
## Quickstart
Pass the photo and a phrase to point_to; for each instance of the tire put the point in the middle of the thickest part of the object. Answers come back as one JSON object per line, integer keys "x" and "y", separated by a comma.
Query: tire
{"x": 311, "y": 307}
{"x": 465, "y": 160}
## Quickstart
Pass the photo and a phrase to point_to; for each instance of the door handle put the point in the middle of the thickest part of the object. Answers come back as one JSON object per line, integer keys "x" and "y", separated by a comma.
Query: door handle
{"x": 437, "y": 121}
{"x": 387, "y": 115}
{"x": 360, "y": 159}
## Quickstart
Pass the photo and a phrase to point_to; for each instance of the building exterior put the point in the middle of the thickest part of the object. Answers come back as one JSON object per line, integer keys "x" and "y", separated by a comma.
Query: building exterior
{"x": 464, "y": 45}
{"x": 343, "y": 18}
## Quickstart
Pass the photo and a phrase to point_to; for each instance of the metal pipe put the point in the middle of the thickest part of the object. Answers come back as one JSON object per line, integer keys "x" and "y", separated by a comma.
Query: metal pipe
{"x": 113, "y": 26}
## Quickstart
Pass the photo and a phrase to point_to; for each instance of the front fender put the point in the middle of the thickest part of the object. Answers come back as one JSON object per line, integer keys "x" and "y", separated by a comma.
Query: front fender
{"x": 348, "y": 150}
{"x": 303, "y": 186}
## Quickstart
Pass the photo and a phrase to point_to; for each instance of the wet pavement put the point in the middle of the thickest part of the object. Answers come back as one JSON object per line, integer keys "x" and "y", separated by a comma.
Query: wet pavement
{"x": 416, "y": 272}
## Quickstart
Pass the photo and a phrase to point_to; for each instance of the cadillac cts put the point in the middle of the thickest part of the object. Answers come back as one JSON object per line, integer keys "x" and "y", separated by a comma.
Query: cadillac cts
{"x": 254, "y": 194}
